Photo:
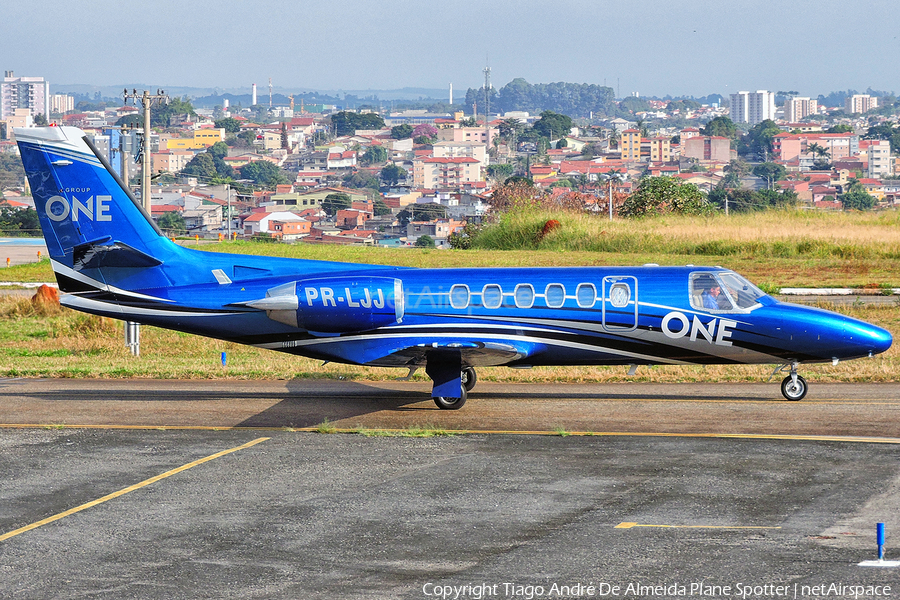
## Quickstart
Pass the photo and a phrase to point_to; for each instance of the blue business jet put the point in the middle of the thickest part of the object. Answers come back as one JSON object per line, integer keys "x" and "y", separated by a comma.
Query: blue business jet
{"x": 112, "y": 260}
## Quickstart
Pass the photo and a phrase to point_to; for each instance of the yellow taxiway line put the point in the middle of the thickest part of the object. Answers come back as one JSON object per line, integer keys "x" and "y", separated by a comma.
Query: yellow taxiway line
{"x": 124, "y": 491}
{"x": 630, "y": 525}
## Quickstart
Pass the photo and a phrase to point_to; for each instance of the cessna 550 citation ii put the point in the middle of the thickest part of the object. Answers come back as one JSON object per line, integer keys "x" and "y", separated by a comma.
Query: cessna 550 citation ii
{"x": 110, "y": 259}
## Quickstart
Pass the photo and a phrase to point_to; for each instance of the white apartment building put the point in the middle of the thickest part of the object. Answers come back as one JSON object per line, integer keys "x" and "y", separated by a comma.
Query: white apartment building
{"x": 752, "y": 107}
{"x": 474, "y": 150}
{"x": 32, "y": 93}
{"x": 61, "y": 103}
{"x": 860, "y": 103}
{"x": 880, "y": 160}
{"x": 797, "y": 108}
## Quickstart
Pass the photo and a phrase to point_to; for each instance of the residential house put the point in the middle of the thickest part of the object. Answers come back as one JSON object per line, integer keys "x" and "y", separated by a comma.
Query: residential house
{"x": 439, "y": 230}
{"x": 704, "y": 147}
{"x": 264, "y": 222}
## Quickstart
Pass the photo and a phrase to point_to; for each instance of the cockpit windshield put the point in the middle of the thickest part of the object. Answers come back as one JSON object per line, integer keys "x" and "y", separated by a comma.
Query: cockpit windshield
{"x": 742, "y": 292}
{"x": 723, "y": 291}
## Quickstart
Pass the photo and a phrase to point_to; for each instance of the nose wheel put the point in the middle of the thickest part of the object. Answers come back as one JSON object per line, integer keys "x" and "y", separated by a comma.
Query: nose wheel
{"x": 793, "y": 387}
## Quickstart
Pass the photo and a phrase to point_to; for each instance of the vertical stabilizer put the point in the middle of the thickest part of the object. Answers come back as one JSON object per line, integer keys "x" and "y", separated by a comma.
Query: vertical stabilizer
{"x": 94, "y": 228}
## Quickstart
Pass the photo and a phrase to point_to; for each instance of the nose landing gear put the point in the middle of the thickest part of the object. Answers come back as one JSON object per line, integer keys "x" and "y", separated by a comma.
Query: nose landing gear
{"x": 793, "y": 387}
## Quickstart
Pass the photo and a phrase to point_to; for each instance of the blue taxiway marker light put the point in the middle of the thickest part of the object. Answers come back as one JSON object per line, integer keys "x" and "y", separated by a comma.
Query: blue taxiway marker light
{"x": 223, "y": 359}
{"x": 879, "y": 535}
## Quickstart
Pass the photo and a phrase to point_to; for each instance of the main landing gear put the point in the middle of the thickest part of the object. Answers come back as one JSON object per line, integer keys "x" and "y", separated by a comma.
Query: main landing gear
{"x": 452, "y": 381}
{"x": 793, "y": 387}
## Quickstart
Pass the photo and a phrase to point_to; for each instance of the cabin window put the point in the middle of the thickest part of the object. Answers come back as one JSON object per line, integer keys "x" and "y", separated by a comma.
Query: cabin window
{"x": 524, "y": 295}
{"x": 555, "y": 295}
{"x": 586, "y": 295}
{"x": 492, "y": 296}
{"x": 620, "y": 295}
{"x": 459, "y": 296}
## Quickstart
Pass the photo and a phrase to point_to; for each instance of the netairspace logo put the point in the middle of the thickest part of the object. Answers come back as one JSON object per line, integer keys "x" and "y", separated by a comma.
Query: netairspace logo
{"x": 699, "y": 589}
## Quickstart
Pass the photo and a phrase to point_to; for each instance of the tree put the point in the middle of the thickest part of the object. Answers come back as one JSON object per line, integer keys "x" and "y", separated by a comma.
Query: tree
{"x": 335, "y": 202}
{"x": 500, "y": 171}
{"x": 841, "y": 128}
{"x": 12, "y": 174}
{"x": 247, "y": 137}
{"x": 362, "y": 179}
{"x": 162, "y": 113}
{"x": 770, "y": 171}
{"x": 172, "y": 223}
{"x": 421, "y": 212}
{"x": 373, "y": 155}
{"x": 509, "y": 129}
{"x": 401, "y": 132}
{"x": 720, "y": 126}
{"x": 229, "y": 124}
{"x": 347, "y": 122}
{"x": 885, "y": 131}
{"x": 19, "y": 221}
{"x": 202, "y": 165}
{"x": 857, "y": 200}
{"x": 551, "y": 124}
{"x": 264, "y": 173}
{"x": 759, "y": 140}
{"x": 662, "y": 195}
{"x": 380, "y": 208}
{"x": 218, "y": 150}
{"x": 392, "y": 174}
{"x": 40, "y": 120}
{"x": 424, "y": 241}
{"x": 425, "y": 134}
{"x": 821, "y": 155}
{"x": 856, "y": 197}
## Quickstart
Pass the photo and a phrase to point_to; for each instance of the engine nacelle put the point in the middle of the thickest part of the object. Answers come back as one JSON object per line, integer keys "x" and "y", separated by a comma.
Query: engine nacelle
{"x": 335, "y": 304}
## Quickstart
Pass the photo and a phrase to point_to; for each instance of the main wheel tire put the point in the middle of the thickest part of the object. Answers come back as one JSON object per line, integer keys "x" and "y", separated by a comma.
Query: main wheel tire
{"x": 469, "y": 378}
{"x": 451, "y": 403}
{"x": 792, "y": 391}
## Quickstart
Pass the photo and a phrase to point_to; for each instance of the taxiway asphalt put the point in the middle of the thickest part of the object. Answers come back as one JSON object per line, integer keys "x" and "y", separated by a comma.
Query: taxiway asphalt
{"x": 207, "y": 489}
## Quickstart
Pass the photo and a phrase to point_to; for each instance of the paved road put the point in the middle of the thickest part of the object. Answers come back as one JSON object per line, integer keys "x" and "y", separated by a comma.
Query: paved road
{"x": 20, "y": 251}
{"x": 858, "y": 410}
{"x": 261, "y": 511}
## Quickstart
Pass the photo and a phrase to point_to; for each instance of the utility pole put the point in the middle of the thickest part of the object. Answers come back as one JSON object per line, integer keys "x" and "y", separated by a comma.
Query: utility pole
{"x": 487, "y": 108}
{"x": 228, "y": 193}
{"x": 132, "y": 329}
{"x": 147, "y": 99}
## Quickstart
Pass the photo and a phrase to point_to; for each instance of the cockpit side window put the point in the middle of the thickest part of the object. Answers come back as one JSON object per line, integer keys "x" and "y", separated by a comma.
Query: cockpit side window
{"x": 708, "y": 293}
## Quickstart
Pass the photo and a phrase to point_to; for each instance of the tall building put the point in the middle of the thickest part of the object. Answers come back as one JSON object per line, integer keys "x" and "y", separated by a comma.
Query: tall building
{"x": 32, "y": 93}
{"x": 879, "y": 153}
{"x": 630, "y": 144}
{"x": 752, "y": 107}
{"x": 796, "y": 108}
{"x": 860, "y": 103}
{"x": 61, "y": 103}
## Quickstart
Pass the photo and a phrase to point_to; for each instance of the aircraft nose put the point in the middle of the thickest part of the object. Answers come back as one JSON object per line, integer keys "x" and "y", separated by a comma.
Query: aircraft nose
{"x": 869, "y": 338}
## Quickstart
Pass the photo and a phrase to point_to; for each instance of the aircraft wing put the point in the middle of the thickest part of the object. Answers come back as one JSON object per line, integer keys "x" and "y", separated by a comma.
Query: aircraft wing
{"x": 474, "y": 354}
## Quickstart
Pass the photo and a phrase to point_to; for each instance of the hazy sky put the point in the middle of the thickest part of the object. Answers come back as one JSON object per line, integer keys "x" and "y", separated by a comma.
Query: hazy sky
{"x": 654, "y": 47}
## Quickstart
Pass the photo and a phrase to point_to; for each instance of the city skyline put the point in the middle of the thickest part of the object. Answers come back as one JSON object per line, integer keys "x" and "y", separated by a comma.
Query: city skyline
{"x": 660, "y": 49}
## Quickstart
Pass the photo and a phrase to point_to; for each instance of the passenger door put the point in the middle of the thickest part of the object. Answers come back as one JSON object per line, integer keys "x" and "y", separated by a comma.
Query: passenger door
{"x": 620, "y": 303}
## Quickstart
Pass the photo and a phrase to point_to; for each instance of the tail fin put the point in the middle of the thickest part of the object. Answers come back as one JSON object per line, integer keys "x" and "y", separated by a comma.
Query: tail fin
{"x": 96, "y": 231}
